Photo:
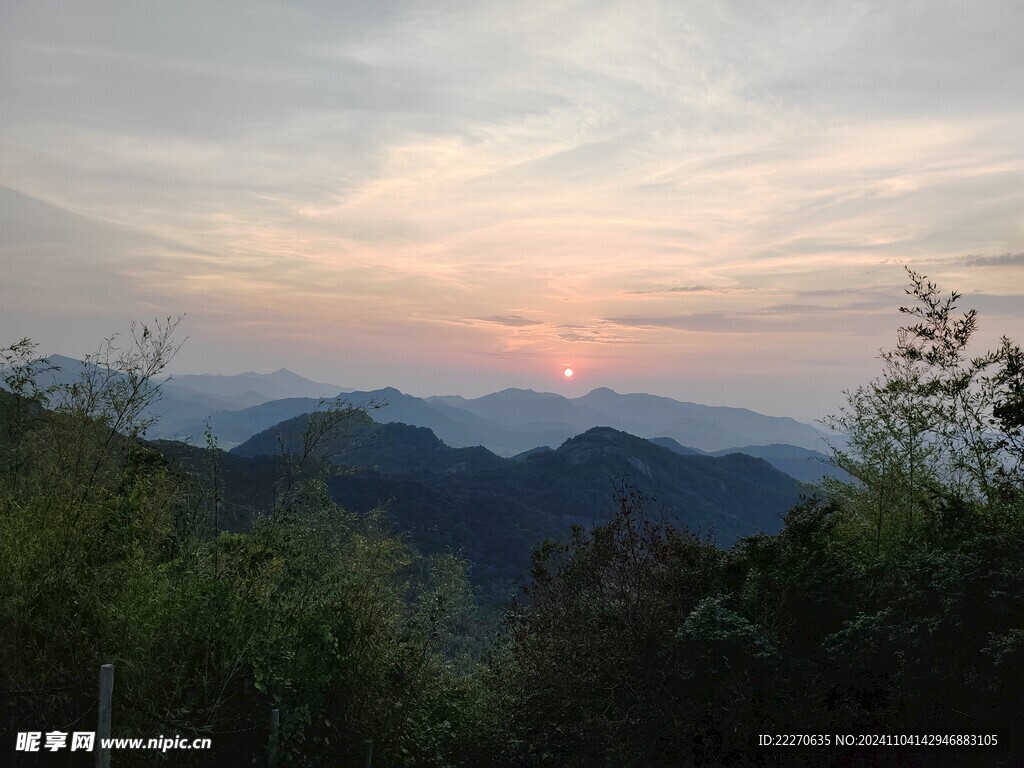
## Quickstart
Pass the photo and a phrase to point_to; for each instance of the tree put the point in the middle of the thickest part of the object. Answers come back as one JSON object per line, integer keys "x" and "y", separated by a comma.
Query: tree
{"x": 82, "y": 504}
{"x": 318, "y": 612}
{"x": 937, "y": 424}
{"x": 628, "y": 650}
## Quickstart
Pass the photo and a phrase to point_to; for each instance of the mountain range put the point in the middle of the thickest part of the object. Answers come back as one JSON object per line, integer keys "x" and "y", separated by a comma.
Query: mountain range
{"x": 510, "y": 422}
{"x": 496, "y": 510}
{"x": 490, "y": 478}
{"x": 507, "y": 422}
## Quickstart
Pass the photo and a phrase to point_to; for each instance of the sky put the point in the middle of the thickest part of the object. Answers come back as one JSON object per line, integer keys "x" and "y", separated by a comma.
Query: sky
{"x": 712, "y": 201}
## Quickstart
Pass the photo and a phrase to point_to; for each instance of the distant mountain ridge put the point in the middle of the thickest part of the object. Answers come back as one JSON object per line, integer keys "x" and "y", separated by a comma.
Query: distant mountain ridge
{"x": 187, "y": 402}
{"x": 703, "y": 427}
{"x": 496, "y": 510}
{"x": 801, "y": 463}
{"x": 278, "y": 385}
{"x": 508, "y": 422}
{"x": 805, "y": 465}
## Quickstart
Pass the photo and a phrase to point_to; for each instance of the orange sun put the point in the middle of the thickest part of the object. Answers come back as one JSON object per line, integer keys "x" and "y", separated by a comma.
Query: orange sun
{"x": 568, "y": 373}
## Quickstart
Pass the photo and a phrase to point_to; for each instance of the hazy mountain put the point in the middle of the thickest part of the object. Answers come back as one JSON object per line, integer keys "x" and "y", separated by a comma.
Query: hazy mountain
{"x": 532, "y": 452}
{"x": 178, "y": 411}
{"x": 458, "y": 428}
{"x": 703, "y": 427}
{"x": 733, "y": 495}
{"x": 234, "y": 427}
{"x": 521, "y": 407}
{"x": 67, "y": 370}
{"x": 508, "y": 422}
{"x": 513, "y": 421}
{"x": 496, "y": 511}
{"x": 170, "y": 390}
{"x": 805, "y": 465}
{"x": 61, "y": 370}
{"x": 493, "y": 510}
{"x": 278, "y": 385}
{"x": 390, "y": 448}
{"x": 674, "y": 446}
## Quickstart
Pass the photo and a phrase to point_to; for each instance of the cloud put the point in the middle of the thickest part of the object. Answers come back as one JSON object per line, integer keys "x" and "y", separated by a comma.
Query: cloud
{"x": 682, "y": 289}
{"x": 377, "y": 172}
{"x": 1003, "y": 260}
{"x": 857, "y": 318}
{"x": 598, "y": 336}
{"x": 514, "y": 321}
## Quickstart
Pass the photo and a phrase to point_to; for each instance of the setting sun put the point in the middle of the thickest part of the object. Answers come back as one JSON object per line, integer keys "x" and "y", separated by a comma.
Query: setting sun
{"x": 568, "y": 373}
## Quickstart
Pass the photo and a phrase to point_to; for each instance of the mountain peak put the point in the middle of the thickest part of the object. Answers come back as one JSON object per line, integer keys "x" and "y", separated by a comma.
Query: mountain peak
{"x": 514, "y": 393}
{"x": 607, "y": 436}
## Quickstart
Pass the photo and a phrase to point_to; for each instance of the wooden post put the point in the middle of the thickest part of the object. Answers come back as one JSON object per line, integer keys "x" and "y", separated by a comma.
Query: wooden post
{"x": 103, "y": 717}
{"x": 369, "y": 752}
{"x": 275, "y": 724}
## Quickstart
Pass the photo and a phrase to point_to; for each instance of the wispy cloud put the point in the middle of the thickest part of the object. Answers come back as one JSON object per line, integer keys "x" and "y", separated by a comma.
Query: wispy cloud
{"x": 682, "y": 289}
{"x": 1003, "y": 260}
{"x": 513, "y": 321}
{"x": 598, "y": 334}
{"x": 781, "y": 319}
{"x": 382, "y": 179}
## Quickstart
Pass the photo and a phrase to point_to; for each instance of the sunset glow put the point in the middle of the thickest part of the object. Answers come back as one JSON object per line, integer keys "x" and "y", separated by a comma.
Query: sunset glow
{"x": 568, "y": 373}
{"x": 710, "y": 201}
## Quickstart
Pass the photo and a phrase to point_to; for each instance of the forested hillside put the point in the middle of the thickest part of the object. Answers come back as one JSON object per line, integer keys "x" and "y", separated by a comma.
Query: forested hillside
{"x": 495, "y": 511}
{"x": 891, "y": 605}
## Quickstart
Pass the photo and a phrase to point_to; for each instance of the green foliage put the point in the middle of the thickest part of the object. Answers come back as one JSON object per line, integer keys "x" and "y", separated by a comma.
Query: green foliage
{"x": 938, "y": 424}
{"x": 893, "y": 606}
{"x": 107, "y": 553}
{"x": 598, "y": 660}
